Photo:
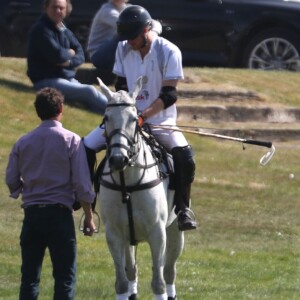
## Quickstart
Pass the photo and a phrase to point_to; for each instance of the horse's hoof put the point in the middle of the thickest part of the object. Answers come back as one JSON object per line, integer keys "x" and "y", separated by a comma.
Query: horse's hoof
{"x": 133, "y": 297}
{"x": 172, "y": 298}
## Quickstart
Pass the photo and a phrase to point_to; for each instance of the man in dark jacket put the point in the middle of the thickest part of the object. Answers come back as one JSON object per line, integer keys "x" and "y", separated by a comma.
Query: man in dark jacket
{"x": 54, "y": 53}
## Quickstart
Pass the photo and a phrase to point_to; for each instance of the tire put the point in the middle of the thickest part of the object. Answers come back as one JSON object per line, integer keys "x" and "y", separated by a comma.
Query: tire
{"x": 273, "y": 49}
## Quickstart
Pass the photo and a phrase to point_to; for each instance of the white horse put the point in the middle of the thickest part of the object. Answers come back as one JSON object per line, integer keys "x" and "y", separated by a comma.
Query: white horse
{"x": 135, "y": 203}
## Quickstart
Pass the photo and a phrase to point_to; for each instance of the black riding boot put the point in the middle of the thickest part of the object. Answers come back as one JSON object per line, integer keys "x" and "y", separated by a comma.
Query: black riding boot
{"x": 184, "y": 167}
{"x": 91, "y": 159}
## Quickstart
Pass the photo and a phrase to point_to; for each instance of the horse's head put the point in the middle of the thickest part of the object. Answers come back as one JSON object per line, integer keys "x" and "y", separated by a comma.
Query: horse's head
{"x": 120, "y": 125}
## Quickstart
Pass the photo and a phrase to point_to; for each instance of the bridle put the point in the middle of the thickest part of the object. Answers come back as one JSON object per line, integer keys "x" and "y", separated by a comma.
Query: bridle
{"x": 133, "y": 147}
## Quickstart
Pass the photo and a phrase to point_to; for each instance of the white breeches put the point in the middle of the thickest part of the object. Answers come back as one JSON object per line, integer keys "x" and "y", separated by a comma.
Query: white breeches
{"x": 95, "y": 140}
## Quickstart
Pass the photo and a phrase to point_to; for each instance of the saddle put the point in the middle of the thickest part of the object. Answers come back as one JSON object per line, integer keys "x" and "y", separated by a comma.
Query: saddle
{"x": 163, "y": 157}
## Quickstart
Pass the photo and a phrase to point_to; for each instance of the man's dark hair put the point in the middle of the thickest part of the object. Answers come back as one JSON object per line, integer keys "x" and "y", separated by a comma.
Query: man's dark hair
{"x": 48, "y": 103}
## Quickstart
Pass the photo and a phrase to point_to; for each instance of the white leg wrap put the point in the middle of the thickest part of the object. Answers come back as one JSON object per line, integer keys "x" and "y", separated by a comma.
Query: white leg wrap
{"x": 171, "y": 291}
{"x": 122, "y": 296}
{"x": 161, "y": 297}
{"x": 132, "y": 287}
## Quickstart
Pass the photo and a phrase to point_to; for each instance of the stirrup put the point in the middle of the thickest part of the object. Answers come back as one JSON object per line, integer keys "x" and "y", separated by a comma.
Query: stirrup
{"x": 96, "y": 221}
{"x": 186, "y": 220}
{"x": 189, "y": 212}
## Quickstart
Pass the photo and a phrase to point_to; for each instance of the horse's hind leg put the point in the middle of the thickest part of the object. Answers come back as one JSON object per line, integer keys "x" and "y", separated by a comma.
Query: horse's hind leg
{"x": 174, "y": 247}
{"x": 131, "y": 271}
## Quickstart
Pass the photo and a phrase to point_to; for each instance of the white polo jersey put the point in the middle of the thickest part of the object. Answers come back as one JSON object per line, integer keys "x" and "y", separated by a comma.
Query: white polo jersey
{"x": 162, "y": 62}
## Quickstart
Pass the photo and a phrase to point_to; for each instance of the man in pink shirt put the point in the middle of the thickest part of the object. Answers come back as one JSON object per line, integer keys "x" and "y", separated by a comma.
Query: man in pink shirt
{"x": 48, "y": 166}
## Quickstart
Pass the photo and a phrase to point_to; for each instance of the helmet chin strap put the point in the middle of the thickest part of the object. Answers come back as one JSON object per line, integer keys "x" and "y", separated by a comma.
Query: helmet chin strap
{"x": 145, "y": 41}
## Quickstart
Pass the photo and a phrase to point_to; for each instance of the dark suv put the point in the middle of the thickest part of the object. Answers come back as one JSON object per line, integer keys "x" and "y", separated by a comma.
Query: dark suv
{"x": 260, "y": 34}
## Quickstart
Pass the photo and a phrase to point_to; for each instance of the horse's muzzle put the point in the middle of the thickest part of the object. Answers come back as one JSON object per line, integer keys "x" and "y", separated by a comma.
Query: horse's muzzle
{"x": 118, "y": 162}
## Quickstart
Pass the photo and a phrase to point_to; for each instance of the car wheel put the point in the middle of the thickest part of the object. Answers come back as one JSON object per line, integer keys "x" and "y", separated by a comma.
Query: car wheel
{"x": 273, "y": 49}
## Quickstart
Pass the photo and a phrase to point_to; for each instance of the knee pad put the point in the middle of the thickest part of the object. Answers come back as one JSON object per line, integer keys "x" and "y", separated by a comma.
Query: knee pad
{"x": 184, "y": 164}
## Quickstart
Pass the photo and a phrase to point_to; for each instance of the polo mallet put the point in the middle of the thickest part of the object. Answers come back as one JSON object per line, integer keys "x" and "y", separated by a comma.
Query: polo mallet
{"x": 263, "y": 161}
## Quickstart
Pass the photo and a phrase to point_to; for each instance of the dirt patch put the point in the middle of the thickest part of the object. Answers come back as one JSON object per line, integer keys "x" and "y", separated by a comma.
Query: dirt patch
{"x": 247, "y": 112}
{"x": 221, "y": 95}
{"x": 227, "y": 113}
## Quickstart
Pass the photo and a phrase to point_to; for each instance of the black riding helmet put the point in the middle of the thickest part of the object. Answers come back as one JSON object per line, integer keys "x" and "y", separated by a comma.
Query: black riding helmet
{"x": 132, "y": 21}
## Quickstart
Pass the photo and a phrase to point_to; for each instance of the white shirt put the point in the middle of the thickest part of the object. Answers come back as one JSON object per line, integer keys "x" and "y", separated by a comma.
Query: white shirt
{"x": 162, "y": 62}
{"x": 104, "y": 26}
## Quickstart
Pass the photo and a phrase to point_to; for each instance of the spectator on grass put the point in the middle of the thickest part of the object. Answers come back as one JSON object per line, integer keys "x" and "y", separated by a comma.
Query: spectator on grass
{"x": 103, "y": 38}
{"x": 48, "y": 166}
{"x": 54, "y": 53}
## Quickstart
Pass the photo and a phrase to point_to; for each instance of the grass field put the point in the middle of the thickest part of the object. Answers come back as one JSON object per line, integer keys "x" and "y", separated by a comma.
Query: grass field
{"x": 247, "y": 245}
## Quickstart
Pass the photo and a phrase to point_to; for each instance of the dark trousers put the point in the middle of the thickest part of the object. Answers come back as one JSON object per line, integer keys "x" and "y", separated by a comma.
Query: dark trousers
{"x": 104, "y": 57}
{"x": 51, "y": 227}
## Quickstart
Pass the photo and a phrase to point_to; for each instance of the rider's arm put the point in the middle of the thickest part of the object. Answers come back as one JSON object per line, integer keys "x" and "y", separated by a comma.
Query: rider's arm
{"x": 167, "y": 97}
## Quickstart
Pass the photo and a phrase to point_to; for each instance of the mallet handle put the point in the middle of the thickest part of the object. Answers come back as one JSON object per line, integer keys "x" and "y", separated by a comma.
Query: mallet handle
{"x": 259, "y": 143}
{"x": 219, "y": 136}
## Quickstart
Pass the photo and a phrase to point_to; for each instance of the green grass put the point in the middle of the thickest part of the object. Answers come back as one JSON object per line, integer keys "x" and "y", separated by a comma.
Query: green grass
{"x": 247, "y": 245}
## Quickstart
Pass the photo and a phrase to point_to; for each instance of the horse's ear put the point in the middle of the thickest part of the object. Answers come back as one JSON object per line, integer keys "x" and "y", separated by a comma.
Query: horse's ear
{"x": 106, "y": 91}
{"x": 138, "y": 87}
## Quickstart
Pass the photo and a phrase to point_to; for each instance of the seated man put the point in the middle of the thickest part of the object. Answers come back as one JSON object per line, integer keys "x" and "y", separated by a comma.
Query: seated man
{"x": 103, "y": 38}
{"x": 54, "y": 53}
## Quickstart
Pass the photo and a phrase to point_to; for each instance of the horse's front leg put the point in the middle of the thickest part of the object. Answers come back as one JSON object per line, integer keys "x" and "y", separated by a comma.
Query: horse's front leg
{"x": 175, "y": 244}
{"x": 157, "y": 242}
{"x": 131, "y": 271}
{"x": 117, "y": 249}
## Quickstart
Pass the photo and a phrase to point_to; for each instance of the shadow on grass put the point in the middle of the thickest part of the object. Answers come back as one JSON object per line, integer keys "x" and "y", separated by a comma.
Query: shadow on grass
{"x": 16, "y": 86}
{"x": 22, "y": 87}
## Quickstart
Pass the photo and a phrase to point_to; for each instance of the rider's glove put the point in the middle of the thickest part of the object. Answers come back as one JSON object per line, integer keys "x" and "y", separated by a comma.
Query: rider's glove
{"x": 141, "y": 119}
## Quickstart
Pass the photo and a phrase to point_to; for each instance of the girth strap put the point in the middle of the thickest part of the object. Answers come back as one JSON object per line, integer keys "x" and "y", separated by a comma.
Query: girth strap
{"x": 126, "y": 198}
{"x": 131, "y": 189}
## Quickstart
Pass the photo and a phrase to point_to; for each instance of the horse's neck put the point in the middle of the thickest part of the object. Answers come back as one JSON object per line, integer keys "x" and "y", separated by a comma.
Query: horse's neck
{"x": 145, "y": 155}
{"x": 143, "y": 162}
